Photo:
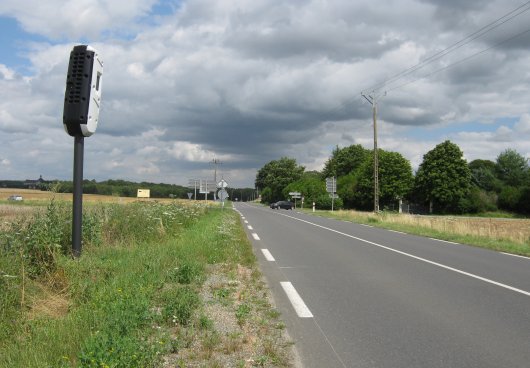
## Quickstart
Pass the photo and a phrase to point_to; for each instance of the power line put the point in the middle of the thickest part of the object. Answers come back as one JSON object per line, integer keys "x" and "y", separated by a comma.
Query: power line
{"x": 466, "y": 40}
{"x": 459, "y": 61}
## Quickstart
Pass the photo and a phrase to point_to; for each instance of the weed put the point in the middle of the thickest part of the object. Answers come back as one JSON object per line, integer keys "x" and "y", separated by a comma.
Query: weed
{"x": 179, "y": 304}
{"x": 187, "y": 272}
{"x": 205, "y": 323}
{"x": 210, "y": 342}
{"x": 242, "y": 313}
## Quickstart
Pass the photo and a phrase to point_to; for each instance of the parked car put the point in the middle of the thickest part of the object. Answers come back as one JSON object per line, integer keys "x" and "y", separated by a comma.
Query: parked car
{"x": 286, "y": 205}
{"x": 15, "y": 198}
{"x": 274, "y": 205}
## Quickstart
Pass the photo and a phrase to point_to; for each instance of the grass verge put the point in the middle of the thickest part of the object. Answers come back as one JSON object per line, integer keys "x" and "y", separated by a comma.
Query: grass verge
{"x": 145, "y": 293}
{"x": 504, "y": 235}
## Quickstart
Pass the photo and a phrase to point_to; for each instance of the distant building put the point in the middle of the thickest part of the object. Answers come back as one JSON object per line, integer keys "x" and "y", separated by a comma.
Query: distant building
{"x": 35, "y": 184}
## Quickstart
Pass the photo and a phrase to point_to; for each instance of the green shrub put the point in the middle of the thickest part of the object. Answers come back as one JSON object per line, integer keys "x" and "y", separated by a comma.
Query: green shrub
{"x": 509, "y": 198}
{"x": 323, "y": 202}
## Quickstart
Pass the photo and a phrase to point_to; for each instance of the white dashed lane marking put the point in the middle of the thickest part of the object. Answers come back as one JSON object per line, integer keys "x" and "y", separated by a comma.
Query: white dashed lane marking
{"x": 296, "y": 300}
{"x": 268, "y": 255}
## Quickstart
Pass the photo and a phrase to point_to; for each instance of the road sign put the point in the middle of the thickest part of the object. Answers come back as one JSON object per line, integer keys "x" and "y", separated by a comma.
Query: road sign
{"x": 206, "y": 186}
{"x": 193, "y": 183}
{"x": 295, "y": 193}
{"x": 333, "y": 195}
{"x": 190, "y": 194}
{"x": 331, "y": 185}
{"x": 222, "y": 194}
{"x": 222, "y": 184}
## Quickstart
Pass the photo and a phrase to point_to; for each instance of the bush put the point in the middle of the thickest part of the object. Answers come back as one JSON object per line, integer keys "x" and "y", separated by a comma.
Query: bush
{"x": 524, "y": 201}
{"x": 479, "y": 201}
{"x": 323, "y": 202}
{"x": 509, "y": 198}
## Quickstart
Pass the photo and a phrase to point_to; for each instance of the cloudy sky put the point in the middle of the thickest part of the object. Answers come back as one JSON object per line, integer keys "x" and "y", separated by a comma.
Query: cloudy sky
{"x": 248, "y": 82}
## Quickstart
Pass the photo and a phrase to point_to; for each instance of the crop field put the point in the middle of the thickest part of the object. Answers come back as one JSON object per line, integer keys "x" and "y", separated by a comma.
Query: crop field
{"x": 39, "y": 195}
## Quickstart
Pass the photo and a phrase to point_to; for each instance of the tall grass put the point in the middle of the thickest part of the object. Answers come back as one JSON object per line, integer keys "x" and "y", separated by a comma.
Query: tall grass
{"x": 140, "y": 268}
{"x": 508, "y": 235}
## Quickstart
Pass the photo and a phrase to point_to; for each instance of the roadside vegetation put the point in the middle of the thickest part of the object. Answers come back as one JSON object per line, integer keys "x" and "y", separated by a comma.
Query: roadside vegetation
{"x": 444, "y": 183}
{"x": 158, "y": 285}
{"x": 500, "y": 234}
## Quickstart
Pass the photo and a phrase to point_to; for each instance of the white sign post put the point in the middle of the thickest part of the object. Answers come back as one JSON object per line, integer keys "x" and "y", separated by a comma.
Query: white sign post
{"x": 331, "y": 188}
{"x": 295, "y": 196}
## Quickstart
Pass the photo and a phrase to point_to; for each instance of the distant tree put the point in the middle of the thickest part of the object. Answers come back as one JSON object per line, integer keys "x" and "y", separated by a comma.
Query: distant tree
{"x": 266, "y": 195}
{"x": 276, "y": 175}
{"x": 512, "y": 168}
{"x": 523, "y": 205}
{"x": 345, "y": 160}
{"x": 347, "y": 189}
{"x": 311, "y": 185}
{"x": 395, "y": 180}
{"x": 483, "y": 175}
{"x": 509, "y": 198}
{"x": 443, "y": 178}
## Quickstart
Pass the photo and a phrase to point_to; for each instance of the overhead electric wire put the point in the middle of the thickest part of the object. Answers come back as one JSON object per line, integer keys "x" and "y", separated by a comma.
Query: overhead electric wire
{"x": 460, "y": 61}
{"x": 466, "y": 40}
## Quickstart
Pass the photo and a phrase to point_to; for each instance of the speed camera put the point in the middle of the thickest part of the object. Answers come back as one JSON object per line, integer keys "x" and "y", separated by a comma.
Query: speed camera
{"x": 82, "y": 97}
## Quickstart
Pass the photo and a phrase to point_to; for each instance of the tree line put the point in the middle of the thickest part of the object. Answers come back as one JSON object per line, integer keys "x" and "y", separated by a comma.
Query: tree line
{"x": 444, "y": 182}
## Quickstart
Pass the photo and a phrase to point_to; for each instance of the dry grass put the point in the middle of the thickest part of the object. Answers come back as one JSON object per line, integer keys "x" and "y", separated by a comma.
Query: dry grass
{"x": 516, "y": 230}
{"x": 38, "y": 195}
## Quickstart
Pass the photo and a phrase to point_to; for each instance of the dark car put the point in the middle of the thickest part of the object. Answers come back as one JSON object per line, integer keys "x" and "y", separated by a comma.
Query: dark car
{"x": 286, "y": 205}
{"x": 274, "y": 205}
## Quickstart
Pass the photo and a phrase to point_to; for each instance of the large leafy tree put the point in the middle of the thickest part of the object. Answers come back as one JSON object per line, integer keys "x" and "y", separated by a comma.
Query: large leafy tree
{"x": 483, "y": 175}
{"x": 395, "y": 180}
{"x": 443, "y": 178}
{"x": 276, "y": 175}
{"x": 512, "y": 168}
{"x": 345, "y": 160}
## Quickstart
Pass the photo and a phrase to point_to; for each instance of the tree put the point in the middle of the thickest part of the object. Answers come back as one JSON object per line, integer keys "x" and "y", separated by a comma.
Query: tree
{"x": 345, "y": 160}
{"x": 483, "y": 175}
{"x": 512, "y": 168}
{"x": 443, "y": 178}
{"x": 395, "y": 180}
{"x": 310, "y": 185}
{"x": 276, "y": 175}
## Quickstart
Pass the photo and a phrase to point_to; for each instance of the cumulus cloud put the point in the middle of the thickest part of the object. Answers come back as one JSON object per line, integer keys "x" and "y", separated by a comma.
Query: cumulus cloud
{"x": 249, "y": 82}
{"x": 75, "y": 19}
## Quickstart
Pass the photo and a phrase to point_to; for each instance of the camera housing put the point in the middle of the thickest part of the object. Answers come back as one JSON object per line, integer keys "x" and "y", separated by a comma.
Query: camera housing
{"x": 82, "y": 97}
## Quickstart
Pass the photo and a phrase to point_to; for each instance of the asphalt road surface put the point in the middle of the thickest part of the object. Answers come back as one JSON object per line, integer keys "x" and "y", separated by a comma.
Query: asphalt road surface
{"x": 357, "y": 296}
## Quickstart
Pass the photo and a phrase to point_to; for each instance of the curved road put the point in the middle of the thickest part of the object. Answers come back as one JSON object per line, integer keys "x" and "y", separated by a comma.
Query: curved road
{"x": 357, "y": 296}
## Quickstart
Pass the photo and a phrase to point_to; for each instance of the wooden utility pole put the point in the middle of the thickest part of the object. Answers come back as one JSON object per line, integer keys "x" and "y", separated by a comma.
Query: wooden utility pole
{"x": 372, "y": 99}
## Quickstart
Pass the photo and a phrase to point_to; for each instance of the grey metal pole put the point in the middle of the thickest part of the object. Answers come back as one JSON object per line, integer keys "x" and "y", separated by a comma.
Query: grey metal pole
{"x": 77, "y": 212}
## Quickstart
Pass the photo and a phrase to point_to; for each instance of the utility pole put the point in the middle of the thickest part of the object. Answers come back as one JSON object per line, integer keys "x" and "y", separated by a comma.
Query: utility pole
{"x": 372, "y": 99}
{"x": 215, "y": 162}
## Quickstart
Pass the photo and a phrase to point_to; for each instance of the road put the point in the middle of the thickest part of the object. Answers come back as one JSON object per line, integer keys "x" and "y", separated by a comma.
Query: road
{"x": 358, "y": 296}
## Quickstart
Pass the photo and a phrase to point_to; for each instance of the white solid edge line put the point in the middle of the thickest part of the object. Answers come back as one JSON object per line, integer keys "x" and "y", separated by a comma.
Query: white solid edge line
{"x": 250, "y": 227}
{"x": 419, "y": 258}
{"x": 255, "y": 236}
{"x": 298, "y": 304}
{"x": 444, "y": 241}
{"x": 268, "y": 256}
{"x": 515, "y": 255}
